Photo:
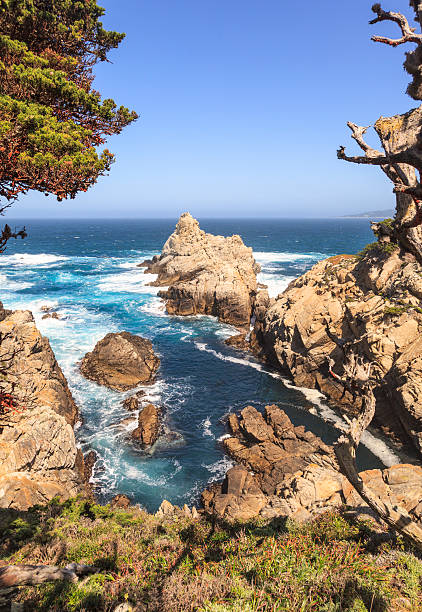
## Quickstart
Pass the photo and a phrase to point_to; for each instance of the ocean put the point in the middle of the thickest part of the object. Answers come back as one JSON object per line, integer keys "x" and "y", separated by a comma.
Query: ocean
{"x": 87, "y": 270}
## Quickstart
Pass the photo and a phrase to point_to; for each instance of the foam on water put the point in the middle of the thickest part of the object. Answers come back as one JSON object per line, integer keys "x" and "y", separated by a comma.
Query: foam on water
{"x": 271, "y": 258}
{"x": 128, "y": 282}
{"x": 28, "y": 259}
{"x": 9, "y": 284}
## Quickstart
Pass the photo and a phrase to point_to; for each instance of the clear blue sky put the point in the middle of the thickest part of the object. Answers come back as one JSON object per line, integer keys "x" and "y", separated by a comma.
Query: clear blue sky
{"x": 242, "y": 106}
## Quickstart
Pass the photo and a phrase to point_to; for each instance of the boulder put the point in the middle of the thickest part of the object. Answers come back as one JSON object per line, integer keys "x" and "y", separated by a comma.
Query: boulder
{"x": 206, "y": 274}
{"x": 284, "y": 469}
{"x": 121, "y": 361}
{"x": 120, "y": 501}
{"x": 148, "y": 426}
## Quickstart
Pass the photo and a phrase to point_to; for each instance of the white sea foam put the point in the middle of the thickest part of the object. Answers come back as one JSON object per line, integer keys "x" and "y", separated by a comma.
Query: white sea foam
{"x": 154, "y": 306}
{"x": 263, "y": 257}
{"x": 219, "y": 468}
{"x": 29, "y": 259}
{"x": 9, "y": 284}
{"x": 276, "y": 283}
{"x": 379, "y": 447}
{"x": 128, "y": 282}
{"x": 206, "y": 427}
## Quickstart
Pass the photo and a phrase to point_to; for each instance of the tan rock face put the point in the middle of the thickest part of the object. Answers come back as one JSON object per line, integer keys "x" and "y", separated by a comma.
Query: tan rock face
{"x": 290, "y": 472}
{"x": 206, "y": 274}
{"x": 283, "y": 469}
{"x": 374, "y": 302}
{"x": 38, "y": 459}
{"x": 38, "y": 454}
{"x": 33, "y": 372}
{"x": 148, "y": 426}
{"x": 121, "y": 361}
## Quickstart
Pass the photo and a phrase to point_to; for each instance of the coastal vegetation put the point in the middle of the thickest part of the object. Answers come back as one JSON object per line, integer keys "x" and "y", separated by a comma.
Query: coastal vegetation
{"x": 157, "y": 564}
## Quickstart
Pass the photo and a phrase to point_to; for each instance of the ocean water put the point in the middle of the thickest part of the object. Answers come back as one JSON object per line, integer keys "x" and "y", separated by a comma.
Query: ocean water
{"x": 87, "y": 270}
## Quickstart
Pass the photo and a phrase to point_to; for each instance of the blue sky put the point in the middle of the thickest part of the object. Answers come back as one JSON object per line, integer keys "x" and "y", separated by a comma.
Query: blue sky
{"x": 242, "y": 106}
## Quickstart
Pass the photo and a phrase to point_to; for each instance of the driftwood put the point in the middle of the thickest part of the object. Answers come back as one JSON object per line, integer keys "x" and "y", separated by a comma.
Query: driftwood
{"x": 359, "y": 378}
{"x": 20, "y": 575}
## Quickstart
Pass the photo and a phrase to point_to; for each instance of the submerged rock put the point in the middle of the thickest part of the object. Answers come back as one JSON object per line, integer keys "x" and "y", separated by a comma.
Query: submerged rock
{"x": 374, "y": 302}
{"x": 121, "y": 361}
{"x": 132, "y": 403}
{"x": 206, "y": 274}
{"x": 148, "y": 426}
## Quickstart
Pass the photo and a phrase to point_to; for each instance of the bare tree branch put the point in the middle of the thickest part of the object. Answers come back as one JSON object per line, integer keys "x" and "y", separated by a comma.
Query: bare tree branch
{"x": 359, "y": 380}
{"x": 345, "y": 449}
{"x": 357, "y": 134}
{"x": 408, "y": 33}
{"x": 376, "y": 160}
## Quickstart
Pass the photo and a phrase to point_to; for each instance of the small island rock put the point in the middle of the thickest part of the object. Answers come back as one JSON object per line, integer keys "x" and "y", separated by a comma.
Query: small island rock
{"x": 121, "y": 361}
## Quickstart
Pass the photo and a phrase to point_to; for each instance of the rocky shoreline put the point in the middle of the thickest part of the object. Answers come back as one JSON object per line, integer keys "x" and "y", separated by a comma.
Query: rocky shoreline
{"x": 372, "y": 302}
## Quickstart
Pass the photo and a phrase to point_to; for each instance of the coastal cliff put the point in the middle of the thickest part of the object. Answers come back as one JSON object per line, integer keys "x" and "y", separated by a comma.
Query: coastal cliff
{"x": 206, "y": 274}
{"x": 39, "y": 458}
{"x": 373, "y": 302}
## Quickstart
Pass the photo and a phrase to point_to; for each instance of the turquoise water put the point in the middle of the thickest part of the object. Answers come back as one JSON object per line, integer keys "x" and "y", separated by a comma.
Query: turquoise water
{"x": 87, "y": 270}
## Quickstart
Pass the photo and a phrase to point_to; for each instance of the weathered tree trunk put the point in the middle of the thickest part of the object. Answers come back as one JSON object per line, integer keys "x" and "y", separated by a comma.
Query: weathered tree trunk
{"x": 345, "y": 449}
{"x": 20, "y": 575}
{"x": 400, "y": 137}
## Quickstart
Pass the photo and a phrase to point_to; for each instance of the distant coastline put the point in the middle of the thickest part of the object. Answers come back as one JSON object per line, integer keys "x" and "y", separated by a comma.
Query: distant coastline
{"x": 371, "y": 214}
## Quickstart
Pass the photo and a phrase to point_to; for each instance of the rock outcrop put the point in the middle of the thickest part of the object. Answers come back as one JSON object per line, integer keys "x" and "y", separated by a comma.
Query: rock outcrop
{"x": 146, "y": 434}
{"x": 32, "y": 372}
{"x": 286, "y": 471}
{"x": 206, "y": 274}
{"x": 374, "y": 302}
{"x": 39, "y": 458}
{"x": 121, "y": 361}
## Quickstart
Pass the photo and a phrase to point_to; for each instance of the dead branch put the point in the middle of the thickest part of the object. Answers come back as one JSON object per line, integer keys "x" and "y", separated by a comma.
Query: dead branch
{"x": 20, "y": 575}
{"x": 359, "y": 380}
{"x": 345, "y": 449}
{"x": 408, "y": 34}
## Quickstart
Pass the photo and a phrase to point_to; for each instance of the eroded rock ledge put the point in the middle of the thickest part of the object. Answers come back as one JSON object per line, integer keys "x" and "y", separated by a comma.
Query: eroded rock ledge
{"x": 206, "y": 274}
{"x": 286, "y": 471}
{"x": 374, "y": 302}
{"x": 39, "y": 458}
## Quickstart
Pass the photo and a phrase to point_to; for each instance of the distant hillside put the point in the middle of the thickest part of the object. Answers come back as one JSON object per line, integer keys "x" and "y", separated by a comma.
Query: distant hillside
{"x": 372, "y": 214}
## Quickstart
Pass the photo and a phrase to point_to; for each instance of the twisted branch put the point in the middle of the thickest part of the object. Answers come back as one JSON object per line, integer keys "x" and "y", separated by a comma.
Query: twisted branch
{"x": 408, "y": 33}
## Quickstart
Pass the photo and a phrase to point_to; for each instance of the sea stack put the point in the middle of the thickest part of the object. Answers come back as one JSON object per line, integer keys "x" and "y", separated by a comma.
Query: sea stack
{"x": 206, "y": 274}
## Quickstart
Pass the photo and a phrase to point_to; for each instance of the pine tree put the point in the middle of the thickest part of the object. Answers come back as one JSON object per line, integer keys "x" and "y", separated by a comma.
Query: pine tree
{"x": 51, "y": 119}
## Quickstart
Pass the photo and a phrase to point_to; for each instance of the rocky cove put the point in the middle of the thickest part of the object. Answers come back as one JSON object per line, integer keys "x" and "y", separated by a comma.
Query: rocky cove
{"x": 199, "y": 282}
